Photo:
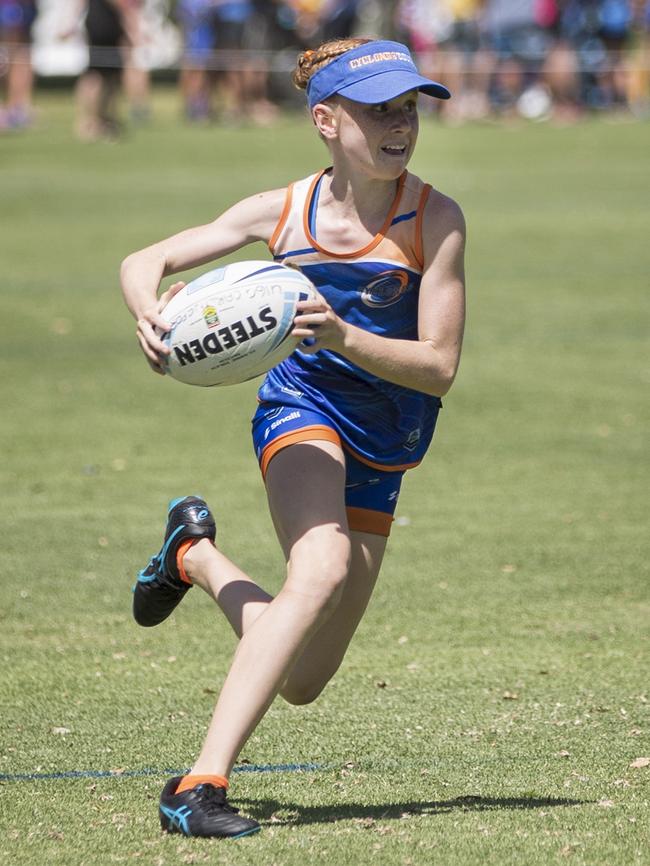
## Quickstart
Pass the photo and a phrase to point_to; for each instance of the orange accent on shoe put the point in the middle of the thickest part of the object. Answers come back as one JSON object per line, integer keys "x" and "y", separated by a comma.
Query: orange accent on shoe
{"x": 182, "y": 550}
{"x": 188, "y": 782}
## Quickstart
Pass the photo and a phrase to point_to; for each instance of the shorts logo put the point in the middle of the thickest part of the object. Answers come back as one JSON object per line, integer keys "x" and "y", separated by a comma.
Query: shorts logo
{"x": 292, "y": 416}
{"x": 413, "y": 439}
{"x": 274, "y": 413}
{"x": 386, "y": 289}
{"x": 292, "y": 392}
{"x": 211, "y": 316}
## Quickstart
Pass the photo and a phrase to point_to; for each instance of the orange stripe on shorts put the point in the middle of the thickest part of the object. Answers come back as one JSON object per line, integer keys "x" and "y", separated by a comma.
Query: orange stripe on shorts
{"x": 311, "y": 433}
{"x": 366, "y": 520}
{"x": 401, "y": 468}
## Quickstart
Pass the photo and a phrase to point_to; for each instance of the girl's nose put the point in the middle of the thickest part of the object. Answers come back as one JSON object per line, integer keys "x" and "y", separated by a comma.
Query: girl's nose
{"x": 403, "y": 119}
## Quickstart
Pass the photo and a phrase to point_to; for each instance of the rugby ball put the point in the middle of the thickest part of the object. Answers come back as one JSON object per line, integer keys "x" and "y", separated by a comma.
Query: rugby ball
{"x": 233, "y": 323}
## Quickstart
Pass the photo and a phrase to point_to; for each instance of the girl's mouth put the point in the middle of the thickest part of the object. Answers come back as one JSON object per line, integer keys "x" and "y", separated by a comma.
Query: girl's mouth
{"x": 394, "y": 149}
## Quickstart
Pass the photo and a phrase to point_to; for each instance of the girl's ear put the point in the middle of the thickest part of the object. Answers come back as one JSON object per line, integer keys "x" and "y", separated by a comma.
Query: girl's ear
{"x": 324, "y": 117}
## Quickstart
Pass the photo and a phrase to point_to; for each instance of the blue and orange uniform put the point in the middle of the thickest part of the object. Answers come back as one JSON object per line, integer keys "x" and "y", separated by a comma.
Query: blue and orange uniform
{"x": 383, "y": 428}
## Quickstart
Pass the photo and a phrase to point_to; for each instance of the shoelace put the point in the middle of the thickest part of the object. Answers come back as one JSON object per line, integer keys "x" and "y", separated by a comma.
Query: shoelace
{"x": 216, "y": 797}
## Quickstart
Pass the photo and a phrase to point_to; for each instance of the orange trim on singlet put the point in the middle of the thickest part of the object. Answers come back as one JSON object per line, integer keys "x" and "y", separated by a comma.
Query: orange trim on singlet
{"x": 377, "y": 238}
{"x": 419, "y": 220}
{"x": 283, "y": 219}
{"x": 311, "y": 433}
{"x": 367, "y": 520}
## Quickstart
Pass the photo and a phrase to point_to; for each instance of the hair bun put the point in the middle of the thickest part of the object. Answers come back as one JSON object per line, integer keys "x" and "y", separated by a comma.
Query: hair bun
{"x": 311, "y": 60}
{"x": 303, "y": 70}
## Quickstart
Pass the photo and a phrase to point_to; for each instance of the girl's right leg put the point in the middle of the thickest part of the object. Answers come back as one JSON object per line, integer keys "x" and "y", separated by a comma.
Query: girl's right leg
{"x": 243, "y": 601}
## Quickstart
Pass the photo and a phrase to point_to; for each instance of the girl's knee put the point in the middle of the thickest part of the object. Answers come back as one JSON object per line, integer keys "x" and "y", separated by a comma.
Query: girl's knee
{"x": 305, "y": 683}
{"x": 320, "y": 562}
{"x": 300, "y": 694}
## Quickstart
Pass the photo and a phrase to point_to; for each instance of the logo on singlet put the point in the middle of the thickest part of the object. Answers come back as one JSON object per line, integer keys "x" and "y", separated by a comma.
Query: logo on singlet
{"x": 385, "y": 289}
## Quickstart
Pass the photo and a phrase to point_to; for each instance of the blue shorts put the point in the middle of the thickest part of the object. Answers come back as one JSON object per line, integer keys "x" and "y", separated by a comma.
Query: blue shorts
{"x": 371, "y": 492}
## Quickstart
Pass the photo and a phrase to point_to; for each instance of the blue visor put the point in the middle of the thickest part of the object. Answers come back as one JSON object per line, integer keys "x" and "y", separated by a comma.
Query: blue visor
{"x": 374, "y": 72}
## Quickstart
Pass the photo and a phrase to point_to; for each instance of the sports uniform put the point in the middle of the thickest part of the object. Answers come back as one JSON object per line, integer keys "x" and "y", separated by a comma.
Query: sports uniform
{"x": 296, "y": 641}
{"x": 384, "y": 428}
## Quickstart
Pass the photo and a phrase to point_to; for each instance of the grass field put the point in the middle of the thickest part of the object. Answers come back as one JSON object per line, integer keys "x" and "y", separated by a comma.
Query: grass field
{"x": 497, "y": 695}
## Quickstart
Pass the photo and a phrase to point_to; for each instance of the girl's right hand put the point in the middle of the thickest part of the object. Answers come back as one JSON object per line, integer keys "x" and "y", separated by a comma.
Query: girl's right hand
{"x": 152, "y": 346}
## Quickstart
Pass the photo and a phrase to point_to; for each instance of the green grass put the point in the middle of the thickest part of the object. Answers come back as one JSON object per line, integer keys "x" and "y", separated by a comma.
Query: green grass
{"x": 497, "y": 692}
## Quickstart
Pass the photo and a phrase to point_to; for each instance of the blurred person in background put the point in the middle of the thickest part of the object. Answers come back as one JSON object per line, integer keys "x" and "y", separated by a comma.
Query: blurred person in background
{"x": 445, "y": 35}
{"x": 638, "y": 72}
{"x": 425, "y": 25}
{"x": 339, "y": 18}
{"x": 519, "y": 45}
{"x": 466, "y": 64}
{"x": 237, "y": 79}
{"x": 199, "y": 39}
{"x": 136, "y": 77}
{"x": 314, "y": 20}
{"x": 598, "y": 32}
{"x": 16, "y": 19}
{"x": 241, "y": 26}
{"x": 561, "y": 73}
{"x": 615, "y": 28}
{"x": 293, "y": 25}
{"x": 110, "y": 25}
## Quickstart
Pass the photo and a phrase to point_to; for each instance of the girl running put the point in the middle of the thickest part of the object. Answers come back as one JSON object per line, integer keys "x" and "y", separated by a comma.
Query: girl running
{"x": 340, "y": 421}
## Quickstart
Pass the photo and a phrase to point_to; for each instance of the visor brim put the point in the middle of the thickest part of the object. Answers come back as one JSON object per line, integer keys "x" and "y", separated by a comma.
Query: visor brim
{"x": 387, "y": 85}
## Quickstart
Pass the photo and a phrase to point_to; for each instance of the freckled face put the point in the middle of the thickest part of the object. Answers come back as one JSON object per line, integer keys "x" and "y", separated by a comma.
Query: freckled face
{"x": 378, "y": 139}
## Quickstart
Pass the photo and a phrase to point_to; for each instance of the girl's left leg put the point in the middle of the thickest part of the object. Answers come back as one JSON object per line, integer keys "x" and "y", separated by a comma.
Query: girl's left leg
{"x": 313, "y": 521}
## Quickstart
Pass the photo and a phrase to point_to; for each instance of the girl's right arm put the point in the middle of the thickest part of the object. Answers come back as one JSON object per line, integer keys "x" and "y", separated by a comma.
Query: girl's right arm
{"x": 252, "y": 219}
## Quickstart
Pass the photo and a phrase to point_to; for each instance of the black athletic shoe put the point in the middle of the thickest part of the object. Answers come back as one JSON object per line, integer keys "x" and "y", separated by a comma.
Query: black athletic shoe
{"x": 202, "y": 811}
{"x": 159, "y": 588}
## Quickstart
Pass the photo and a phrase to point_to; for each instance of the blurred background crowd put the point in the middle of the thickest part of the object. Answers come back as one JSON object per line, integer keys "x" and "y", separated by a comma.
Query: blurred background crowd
{"x": 536, "y": 59}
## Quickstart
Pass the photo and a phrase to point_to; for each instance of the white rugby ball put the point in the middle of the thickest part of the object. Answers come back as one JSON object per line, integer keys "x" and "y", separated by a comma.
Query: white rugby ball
{"x": 233, "y": 323}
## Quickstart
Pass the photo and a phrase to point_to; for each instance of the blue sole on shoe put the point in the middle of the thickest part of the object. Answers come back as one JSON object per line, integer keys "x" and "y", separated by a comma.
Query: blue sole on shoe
{"x": 246, "y": 833}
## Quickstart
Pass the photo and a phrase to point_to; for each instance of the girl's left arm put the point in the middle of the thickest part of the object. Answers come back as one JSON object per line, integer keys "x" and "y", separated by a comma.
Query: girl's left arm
{"x": 428, "y": 364}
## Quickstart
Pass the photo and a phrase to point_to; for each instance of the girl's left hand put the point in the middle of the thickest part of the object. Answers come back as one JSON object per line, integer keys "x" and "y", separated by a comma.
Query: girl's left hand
{"x": 318, "y": 326}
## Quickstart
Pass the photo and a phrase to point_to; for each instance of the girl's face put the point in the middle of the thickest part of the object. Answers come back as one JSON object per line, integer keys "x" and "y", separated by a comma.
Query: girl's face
{"x": 377, "y": 140}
